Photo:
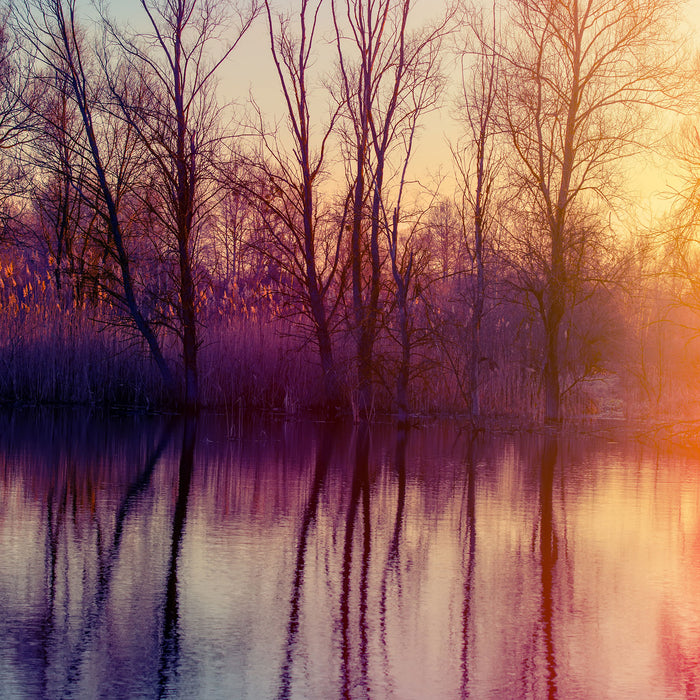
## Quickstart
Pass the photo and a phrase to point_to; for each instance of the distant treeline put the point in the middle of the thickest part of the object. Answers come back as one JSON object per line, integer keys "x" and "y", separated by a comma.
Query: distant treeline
{"x": 159, "y": 250}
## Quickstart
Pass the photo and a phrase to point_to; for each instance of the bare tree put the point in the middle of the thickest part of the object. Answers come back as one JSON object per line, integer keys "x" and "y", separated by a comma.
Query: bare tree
{"x": 230, "y": 236}
{"x": 407, "y": 259}
{"x": 17, "y": 98}
{"x": 64, "y": 220}
{"x": 52, "y": 36}
{"x": 476, "y": 165}
{"x": 388, "y": 77}
{"x": 177, "y": 122}
{"x": 576, "y": 77}
{"x": 287, "y": 175}
{"x": 672, "y": 316}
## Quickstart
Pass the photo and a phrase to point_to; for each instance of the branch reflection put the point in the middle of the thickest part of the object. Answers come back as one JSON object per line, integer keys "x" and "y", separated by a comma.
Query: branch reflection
{"x": 342, "y": 563}
{"x": 170, "y": 645}
{"x": 323, "y": 458}
{"x": 106, "y": 559}
{"x": 359, "y": 490}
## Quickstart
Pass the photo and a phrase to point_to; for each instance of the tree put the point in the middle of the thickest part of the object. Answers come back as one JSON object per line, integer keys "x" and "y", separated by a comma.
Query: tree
{"x": 177, "y": 122}
{"x": 64, "y": 221}
{"x": 576, "y": 79}
{"x": 388, "y": 76}
{"x": 407, "y": 259}
{"x": 286, "y": 180}
{"x": 673, "y": 283}
{"x": 17, "y": 98}
{"x": 476, "y": 165}
{"x": 52, "y": 37}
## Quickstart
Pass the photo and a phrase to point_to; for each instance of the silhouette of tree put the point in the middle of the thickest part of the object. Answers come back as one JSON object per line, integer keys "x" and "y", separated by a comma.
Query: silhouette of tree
{"x": 174, "y": 113}
{"x": 51, "y": 35}
{"x": 388, "y": 77}
{"x": 576, "y": 79}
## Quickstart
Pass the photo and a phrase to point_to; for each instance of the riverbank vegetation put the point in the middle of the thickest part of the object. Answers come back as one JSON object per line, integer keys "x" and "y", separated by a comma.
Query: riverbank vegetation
{"x": 162, "y": 251}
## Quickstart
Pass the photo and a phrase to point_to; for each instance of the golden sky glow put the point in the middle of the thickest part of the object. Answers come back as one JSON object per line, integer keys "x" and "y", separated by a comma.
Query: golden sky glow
{"x": 250, "y": 73}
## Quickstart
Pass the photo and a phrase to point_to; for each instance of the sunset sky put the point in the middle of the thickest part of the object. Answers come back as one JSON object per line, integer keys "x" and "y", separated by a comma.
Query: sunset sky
{"x": 250, "y": 72}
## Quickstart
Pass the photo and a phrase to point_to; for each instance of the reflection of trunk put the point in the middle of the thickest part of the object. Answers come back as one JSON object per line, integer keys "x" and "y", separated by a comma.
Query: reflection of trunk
{"x": 170, "y": 644}
{"x": 400, "y": 460}
{"x": 392, "y": 560}
{"x": 107, "y": 561}
{"x": 548, "y": 554}
{"x": 360, "y": 487}
{"x": 551, "y": 367}
{"x": 53, "y": 529}
{"x": 467, "y": 637}
{"x": 364, "y": 571}
{"x": 322, "y": 462}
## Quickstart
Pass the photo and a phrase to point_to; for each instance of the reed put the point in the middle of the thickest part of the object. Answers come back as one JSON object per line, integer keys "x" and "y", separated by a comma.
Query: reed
{"x": 254, "y": 358}
{"x": 54, "y": 350}
{"x": 256, "y": 355}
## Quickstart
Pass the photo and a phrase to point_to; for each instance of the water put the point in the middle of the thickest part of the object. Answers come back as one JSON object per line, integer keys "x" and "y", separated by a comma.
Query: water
{"x": 144, "y": 558}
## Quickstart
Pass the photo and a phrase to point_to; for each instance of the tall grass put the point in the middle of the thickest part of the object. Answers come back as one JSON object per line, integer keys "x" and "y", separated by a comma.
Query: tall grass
{"x": 54, "y": 350}
{"x": 255, "y": 355}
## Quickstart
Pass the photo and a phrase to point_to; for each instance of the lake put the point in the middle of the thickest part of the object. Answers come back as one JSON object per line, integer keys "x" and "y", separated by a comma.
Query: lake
{"x": 146, "y": 557}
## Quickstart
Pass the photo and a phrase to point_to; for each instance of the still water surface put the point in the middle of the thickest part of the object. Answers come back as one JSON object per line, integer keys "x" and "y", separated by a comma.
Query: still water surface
{"x": 144, "y": 558}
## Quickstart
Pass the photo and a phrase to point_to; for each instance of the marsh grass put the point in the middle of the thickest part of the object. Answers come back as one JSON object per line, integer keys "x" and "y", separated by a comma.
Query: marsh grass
{"x": 55, "y": 351}
{"x": 50, "y": 353}
{"x": 257, "y": 355}
{"x": 253, "y": 358}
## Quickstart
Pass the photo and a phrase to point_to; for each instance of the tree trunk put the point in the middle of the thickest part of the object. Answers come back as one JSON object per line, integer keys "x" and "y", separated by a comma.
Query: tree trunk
{"x": 316, "y": 303}
{"x": 189, "y": 331}
{"x": 184, "y": 205}
{"x": 405, "y": 364}
{"x": 330, "y": 376}
{"x": 474, "y": 357}
{"x": 477, "y": 309}
{"x": 369, "y": 308}
{"x": 363, "y": 355}
{"x": 402, "y": 281}
{"x": 551, "y": 372}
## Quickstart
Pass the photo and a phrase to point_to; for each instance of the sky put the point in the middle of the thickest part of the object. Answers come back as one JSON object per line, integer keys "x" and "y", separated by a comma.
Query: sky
{"x": 650, "y": 178}
{"x": 250, "y": 72}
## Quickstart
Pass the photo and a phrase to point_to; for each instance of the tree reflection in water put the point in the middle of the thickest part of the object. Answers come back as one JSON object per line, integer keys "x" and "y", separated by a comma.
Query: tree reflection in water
{"x": 93, "y": 614}
{"x": 392, "y": 571}
{"x": 330, "y": 561}
{"x": 170, "y": 644}
{"x": 70, "y": 489}
{"x": 359, "y": 490}
{"x": 323, "y": 458}
{"x": 548, "y": 560}
{"x": 469, "y": 538}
